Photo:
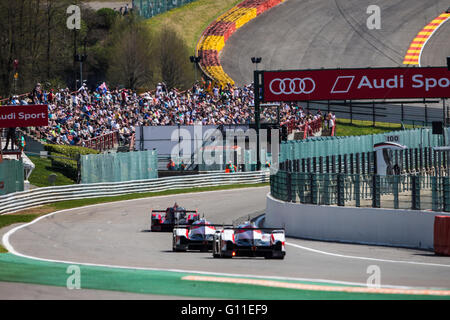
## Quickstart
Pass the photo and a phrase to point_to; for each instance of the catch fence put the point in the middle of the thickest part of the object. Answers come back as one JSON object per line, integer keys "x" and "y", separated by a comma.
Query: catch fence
{"x": 150, "y": 8}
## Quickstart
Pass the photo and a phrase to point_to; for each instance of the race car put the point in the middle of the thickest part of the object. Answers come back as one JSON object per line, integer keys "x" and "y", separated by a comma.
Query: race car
{"x": 197, "y": 236}
{"x": 165, "y": 220}
{"x": 247, "y": 240}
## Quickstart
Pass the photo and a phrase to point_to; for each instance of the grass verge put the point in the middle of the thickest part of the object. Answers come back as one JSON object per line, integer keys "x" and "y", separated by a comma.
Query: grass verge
{"x": 39, "y": 176}
{"x": 168, "y": 283}
{"x": 190, "y": 20}
{"x": 361, "y": 127}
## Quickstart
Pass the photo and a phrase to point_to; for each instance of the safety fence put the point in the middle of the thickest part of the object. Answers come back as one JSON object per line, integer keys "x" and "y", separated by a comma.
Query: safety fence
{"x": 327, "y": 146}
{"x": 11, "y": 176}
{"x": 417, "y": 192}
{"x": 40, "y": 196}
{"x": 429, "y": 160}
{"x": 150, "y": 8}
{"x": 121, "y": 166}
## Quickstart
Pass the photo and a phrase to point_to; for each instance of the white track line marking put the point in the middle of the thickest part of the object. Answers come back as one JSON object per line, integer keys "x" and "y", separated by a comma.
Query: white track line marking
{"x": 426, "y": 41}
{"x": 366, "y": 258}
{"x": 10, "y": 248}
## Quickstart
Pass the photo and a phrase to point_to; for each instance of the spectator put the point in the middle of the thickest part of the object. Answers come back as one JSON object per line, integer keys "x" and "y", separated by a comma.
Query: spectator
{"x": 37, "y": 94}
{"x": 75, "y": 118}
{"x": 10, "y": 136}
{"x": 171, "y": 165}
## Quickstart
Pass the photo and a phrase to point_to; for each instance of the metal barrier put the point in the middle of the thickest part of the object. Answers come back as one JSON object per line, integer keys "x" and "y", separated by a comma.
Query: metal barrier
{"x": 335, "y": 146}
{"x": 150, "y": 8}
{"x": 11, "y": 176}
{"x": 309, "y": 128}
{"x": 104, "y": 142}
{"x": 40, "y": 196}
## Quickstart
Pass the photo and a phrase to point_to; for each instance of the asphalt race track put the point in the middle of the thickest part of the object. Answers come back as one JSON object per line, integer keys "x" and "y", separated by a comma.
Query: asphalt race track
{"x": 437, "y": 48}
{"x": 310, "y": 34}
{"x": 117, "y": 234}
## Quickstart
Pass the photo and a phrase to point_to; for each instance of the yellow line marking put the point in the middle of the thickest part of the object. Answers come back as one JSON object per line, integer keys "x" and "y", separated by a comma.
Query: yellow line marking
{"x": 312, "y": 287}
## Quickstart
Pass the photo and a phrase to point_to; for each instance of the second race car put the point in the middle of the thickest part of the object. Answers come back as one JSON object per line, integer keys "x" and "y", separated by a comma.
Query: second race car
{"x": 197, "y": 236}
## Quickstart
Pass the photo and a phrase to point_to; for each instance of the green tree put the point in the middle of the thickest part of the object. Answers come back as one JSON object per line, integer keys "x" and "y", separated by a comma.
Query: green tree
{"x": 173, "y": 59}
{"x": 130, "y": 59}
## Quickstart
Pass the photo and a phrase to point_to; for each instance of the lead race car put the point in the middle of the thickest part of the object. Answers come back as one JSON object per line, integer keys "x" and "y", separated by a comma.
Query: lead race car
{"x": 197, "y": 236}
{"x": 166, "y": 220}
{"x": 247, "y": 240}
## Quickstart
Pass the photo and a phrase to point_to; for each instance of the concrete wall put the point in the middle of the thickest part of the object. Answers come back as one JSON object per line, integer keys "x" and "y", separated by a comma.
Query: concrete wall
{"x": 400, "y": 228}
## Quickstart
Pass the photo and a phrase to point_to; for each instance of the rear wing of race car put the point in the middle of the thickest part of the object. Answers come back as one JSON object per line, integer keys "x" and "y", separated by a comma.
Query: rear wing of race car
{"x": 187, "y": 211}
{"x": 204, "y": 225}
{"x": 273, "y": 230}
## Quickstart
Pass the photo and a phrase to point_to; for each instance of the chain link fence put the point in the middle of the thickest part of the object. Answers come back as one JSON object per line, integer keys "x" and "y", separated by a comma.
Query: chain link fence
{"x": 328, "y": 146}
{"x": 417, "y": 192}
{"x": 150, "y": 8}
{"x": 11, "y": 176}
{"x": 121, "y": 166}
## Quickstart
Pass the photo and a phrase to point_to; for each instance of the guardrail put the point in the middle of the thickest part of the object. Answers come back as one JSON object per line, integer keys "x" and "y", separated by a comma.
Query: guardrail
{"x": 103, "y": 142}
{"x": 309, "y": 128}
{"x": 27, "y": 199}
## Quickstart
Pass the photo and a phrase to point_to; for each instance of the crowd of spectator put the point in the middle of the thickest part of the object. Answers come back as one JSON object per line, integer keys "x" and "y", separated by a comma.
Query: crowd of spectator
{"x": 76, "y": 117}
{"x": 123, "y": 11}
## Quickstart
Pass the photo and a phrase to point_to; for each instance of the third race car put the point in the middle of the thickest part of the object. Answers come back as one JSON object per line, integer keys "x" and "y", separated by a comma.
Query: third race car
{"x": 165, "y": 220}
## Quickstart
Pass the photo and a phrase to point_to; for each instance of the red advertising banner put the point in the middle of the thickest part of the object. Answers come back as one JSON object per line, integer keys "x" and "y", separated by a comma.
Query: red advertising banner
{"x": 352, "y": 84}
{"x": 24, "y": 116}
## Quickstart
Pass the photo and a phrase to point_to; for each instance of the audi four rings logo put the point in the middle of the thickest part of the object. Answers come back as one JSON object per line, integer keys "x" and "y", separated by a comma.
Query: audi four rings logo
{"x": 292, "y": 86}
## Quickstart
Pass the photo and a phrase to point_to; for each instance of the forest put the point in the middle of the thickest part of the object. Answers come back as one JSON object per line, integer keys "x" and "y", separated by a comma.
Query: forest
{"x": 122, "y": 50}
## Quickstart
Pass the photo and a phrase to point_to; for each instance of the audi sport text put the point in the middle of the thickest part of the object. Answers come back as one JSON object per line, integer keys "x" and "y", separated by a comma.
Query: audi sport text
{"x": 352, "y": 84}
{"x": 428, "y": 83}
